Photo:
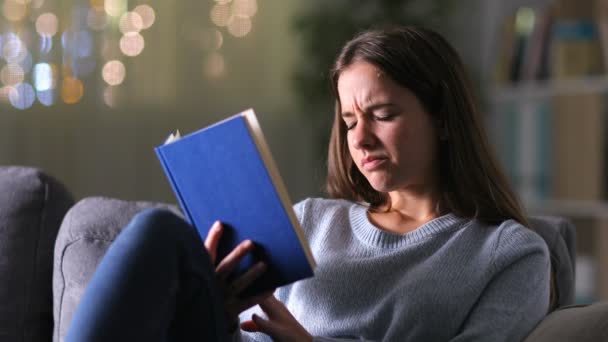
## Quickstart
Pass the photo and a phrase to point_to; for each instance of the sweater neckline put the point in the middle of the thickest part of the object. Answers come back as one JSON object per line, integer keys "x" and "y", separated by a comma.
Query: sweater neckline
{"x": 369, "y": 233}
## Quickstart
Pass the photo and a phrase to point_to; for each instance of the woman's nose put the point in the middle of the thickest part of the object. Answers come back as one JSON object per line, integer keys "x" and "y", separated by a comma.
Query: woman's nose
{"x": 362, "y": 135}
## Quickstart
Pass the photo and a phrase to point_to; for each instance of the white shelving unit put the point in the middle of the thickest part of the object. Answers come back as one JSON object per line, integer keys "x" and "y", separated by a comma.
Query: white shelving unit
{"x": 596, "y": 211}
{"x": 533, "y": 90}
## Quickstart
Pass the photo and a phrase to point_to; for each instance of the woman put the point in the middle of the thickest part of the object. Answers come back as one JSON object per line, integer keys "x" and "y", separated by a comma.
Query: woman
{"x": 423, "y": 240}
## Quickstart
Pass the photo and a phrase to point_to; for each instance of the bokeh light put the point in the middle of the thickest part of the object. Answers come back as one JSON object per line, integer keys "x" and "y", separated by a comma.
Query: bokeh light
{"x": 113, "y": 72}
{"x": 46, "y": 97}
{"x": 12, "y": 74}
{"x": 244, "y": 8}
{"x": 132, "y": 44}
{"x": 5, "y": 93}
{"x": 130, "y": 22}
{"x": 214, "y": 65}
{"x": 71, "y": 90}
{"x": 47, "y": 24}
{"x": 115, "y": 8}
{"x": 147, "y": 14}
{"x": 46, "y": 44}
{"x": 45, "y": 76}
{"x": 13, "y": 49}
{"x": 55, "y": 48}
{"x": 14, "y": 11}
{"x": 211, "y": 39}
{"x": 221, "y": 14}
{"x": 239, "y": 26}
{"x": 23, "y": 97}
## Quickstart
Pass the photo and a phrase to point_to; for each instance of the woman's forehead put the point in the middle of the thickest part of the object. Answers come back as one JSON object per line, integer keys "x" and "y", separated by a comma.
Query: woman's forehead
{"x": 365, "y": 84}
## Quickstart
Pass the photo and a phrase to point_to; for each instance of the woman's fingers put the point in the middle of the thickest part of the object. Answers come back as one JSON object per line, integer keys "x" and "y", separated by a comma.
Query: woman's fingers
{"x": 250, "y": 326}
{"x": 266, "y": 326}
{"x": 238, "y": 305}
{"x": 213, "y": 240}
{"x": 242, "y": 282}
{"x": 227, "y": 265}
{"x": 274, "y": 308}
{"x": 280, "y": 325}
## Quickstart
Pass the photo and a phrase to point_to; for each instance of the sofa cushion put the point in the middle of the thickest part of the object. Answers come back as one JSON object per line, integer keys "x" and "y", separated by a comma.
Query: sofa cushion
{"x": 559, "y": 234}
{"x": 580, "y": 323}
{"x": 32, "y": 205}
{"x": 86, "y": 233}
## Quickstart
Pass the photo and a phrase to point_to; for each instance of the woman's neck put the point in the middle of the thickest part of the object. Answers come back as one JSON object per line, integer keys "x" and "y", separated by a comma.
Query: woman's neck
{"x": 407, "y": 211}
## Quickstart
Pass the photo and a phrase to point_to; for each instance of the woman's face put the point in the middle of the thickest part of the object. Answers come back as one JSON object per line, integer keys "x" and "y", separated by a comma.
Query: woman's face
{"x": 391, "y": 138}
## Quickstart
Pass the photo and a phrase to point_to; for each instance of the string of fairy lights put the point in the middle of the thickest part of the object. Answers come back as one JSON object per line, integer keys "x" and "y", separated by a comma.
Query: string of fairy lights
{"x": 228, "y": 16}
{"x": 52, "y": 52}
{"x": 49, "y": 54}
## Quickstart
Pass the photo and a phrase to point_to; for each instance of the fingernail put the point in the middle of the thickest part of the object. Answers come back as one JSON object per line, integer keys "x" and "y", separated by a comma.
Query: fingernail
{"x": 216, "y": 225}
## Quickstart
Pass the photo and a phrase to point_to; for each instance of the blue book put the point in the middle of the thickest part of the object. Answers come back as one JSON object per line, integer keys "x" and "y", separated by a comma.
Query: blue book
{"x": 226, "y": 172}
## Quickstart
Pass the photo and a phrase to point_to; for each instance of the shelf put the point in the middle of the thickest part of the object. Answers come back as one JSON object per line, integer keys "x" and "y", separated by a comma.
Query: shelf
{"x": 532, "y": 90}
{"x": 569, "y": 208}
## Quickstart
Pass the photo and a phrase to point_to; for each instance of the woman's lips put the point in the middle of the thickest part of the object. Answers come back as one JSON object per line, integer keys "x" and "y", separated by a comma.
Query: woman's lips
{"x": 372, "y": 163}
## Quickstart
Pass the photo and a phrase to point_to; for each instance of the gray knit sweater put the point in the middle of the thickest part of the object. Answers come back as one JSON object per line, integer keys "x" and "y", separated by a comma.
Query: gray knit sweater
{"x": 451, "y": 279}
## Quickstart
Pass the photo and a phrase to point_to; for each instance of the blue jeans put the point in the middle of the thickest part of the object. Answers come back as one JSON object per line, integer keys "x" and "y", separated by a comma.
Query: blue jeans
{"x": 155, "y": 283}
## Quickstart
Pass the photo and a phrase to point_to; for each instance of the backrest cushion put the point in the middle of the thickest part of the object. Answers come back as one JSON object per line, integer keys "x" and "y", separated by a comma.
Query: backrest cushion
{"x": 580, "y": 323}
{"x": 32, "y": 205}
{"x": 559, "y": 234}
{"x": 86, "y": 233}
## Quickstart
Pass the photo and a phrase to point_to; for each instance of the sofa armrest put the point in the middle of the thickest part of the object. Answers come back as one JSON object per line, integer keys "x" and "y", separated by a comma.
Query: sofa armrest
{"x": 86, "y": 233}
{"x": 32, "y": 205}
{"x": 580, "y": 323}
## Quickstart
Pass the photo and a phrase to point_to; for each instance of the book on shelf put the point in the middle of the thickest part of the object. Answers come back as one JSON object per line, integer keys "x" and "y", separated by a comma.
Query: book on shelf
{"x": 575, "y": 51}
{"x": 226, "y": 172}
{"x": 565, "y": 39}
{"x": 535, "y": 62}
{"x": 579, "y": 144}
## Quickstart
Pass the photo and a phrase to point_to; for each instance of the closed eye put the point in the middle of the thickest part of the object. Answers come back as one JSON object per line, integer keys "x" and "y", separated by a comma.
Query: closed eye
{"x": 350, "y": 125}
{"x": 384, "y": 117}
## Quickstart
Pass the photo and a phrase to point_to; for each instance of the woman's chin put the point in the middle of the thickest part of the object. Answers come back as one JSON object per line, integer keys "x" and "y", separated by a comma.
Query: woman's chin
{"x": 381, "y": 186}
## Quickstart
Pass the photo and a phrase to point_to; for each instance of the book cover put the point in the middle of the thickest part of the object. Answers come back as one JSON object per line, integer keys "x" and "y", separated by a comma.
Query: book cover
{"x": 226, "y": 172}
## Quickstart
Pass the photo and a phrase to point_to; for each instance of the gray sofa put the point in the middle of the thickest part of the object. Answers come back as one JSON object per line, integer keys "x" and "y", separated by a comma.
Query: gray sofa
{"x": 41, "y": 286}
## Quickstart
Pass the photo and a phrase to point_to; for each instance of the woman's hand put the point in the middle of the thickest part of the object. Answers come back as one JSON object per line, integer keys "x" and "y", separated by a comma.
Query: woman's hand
{"x": 233, "y": 304}
{"x": 281, "y": 325}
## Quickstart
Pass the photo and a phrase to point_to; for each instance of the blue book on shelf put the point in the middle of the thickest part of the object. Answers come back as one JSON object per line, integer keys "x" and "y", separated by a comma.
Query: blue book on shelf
{"x": 226, "y": 172}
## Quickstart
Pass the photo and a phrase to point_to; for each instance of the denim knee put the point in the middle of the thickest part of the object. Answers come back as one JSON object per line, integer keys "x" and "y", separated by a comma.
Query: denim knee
{"x": 159, "y": 223}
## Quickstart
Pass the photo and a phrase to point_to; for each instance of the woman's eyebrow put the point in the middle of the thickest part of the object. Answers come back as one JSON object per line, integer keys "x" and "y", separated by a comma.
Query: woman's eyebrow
{"x": 370, "y": 108}
{"x": 346, "y": 115}
{"x": 374, "y": 106}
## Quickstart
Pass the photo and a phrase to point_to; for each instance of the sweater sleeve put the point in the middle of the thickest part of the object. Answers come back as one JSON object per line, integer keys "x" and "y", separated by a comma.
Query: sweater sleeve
{"x": 517, "y": 297}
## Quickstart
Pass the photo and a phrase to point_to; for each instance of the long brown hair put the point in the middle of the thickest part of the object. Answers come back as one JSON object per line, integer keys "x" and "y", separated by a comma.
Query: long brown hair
{"x": 471, "y": 182}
